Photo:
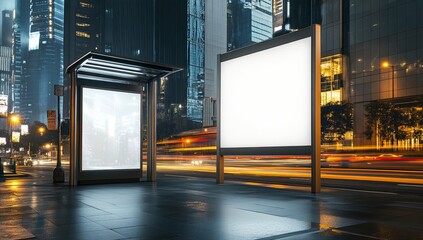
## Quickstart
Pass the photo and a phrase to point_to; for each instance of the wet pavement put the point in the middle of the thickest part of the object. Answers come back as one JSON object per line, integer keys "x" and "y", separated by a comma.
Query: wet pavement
{"x": 178, "y": 207}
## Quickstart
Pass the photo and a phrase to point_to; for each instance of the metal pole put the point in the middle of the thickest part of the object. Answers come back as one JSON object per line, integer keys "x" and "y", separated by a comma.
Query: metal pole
{"x": 73, "y": 168}
{"x": 11, "y": 143}
{"x": 151, "y": 130}
{"x": 220, "y": 159}
{"x": 59, "y": 135}
{"x": 58, "y": 173}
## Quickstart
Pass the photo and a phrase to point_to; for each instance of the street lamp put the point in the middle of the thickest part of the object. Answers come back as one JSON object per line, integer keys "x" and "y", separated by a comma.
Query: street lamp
{"x": 41, "y": 130}
{"x": 58, "y": 173}
{"x": 13, "y": 119}
{"x": 388, "y": 65}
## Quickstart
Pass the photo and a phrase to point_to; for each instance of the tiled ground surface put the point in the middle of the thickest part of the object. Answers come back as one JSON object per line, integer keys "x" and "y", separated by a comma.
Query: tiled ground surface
{"x": 195, "y": 208}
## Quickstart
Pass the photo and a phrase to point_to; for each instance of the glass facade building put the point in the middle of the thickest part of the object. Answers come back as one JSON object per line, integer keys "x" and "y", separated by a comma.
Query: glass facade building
{"x": 137, "y": 29}
{"x": 16, "y": 63}
{"x": 371, "y": 54}
{"x": 380, "y": 33}
{"x": 249, "y": 21}
{"x": 196, "y": 55}
{"x": 45, "y": 57}
{"x": 6, "y": 81}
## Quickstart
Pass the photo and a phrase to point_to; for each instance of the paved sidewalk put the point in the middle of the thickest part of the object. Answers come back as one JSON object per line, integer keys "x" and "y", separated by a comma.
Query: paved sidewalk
{"x": 194, "y": 208}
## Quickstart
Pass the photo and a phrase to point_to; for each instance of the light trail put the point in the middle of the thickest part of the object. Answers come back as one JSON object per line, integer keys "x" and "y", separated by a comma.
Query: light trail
{"x": 359, "y": 175}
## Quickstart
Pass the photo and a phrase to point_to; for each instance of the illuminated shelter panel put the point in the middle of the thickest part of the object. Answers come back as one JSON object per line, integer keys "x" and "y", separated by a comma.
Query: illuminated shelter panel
{"x": 111, "y": 129}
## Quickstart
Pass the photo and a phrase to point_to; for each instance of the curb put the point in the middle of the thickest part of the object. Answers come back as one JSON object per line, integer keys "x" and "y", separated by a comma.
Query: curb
{"x": 13, "y": 175}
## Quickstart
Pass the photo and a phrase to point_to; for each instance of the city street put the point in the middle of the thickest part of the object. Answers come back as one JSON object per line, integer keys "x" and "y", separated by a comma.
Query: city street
{"x": 391, "y": 181}
{"x": 276, "y": 174}
{"x": 187, "y": 204}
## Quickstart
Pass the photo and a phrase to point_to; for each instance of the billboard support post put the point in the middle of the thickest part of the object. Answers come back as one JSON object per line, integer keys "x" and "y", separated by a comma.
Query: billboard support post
{"x": 220, "y": 169}
{"x": 220, "y": 160}
{"x": 315, "y": 101}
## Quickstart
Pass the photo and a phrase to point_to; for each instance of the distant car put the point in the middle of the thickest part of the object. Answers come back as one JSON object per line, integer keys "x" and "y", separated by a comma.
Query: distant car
{"x": 338, "y": 160}
{"x": 196, "y": 162}
{"x": 388, "y": 157}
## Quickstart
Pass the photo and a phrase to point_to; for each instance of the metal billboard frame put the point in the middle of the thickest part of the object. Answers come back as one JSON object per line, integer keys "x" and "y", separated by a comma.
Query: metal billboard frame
{"x": 313, "y": 150}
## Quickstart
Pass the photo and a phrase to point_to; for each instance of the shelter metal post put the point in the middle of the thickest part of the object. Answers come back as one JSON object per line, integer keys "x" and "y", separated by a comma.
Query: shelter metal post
{"x": 151, "y": 130}
{"x": 315, "y": 101}
{"x": 73, "y": 181}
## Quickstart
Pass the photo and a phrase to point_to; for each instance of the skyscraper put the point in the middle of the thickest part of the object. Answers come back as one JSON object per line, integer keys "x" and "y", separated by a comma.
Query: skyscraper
{"x": 16, "y": 96}
{"x": 251, "y": 21}
{"x": 168, "y": 32}
{"x": 5, "y": 70}
{"x": 371, "y": 53}
{"x": 84, "y": 28}
{"x": 6, "y": 30}
{"x": 196, "y": 55}
{"x": 84, "y": 32}
{"x": 20, "y": 56}
{"x": 215, "y": 43}
{"x": 6, "y": 59}
{"x": 291, "y": 15}
{"x": 45, "y": 60}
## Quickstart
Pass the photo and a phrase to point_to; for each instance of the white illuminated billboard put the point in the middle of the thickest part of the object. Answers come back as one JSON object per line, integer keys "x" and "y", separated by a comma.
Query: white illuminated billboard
{"x": 111, "y": 130}
{"x": 34, "y": 41}
{"x": 3, "y": 105}
{"x": 265, "y": 97}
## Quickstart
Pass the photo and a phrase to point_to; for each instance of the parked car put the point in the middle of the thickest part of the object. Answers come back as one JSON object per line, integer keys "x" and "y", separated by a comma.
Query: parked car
{"x": 28, "y": 162}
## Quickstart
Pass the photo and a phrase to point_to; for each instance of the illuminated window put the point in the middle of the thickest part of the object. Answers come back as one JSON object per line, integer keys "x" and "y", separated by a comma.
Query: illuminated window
{"x": 83, "y": 24}
{"x": 86, "y": 5}
{"x": 82, "y": 34}
{"x": 331, "y": 79}
{"x": 82, "y": 16}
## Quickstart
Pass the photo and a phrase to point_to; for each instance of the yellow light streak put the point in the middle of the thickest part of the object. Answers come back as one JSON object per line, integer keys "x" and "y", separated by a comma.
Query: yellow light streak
{"x": 208, "y": 148}
{"x": 251, "y": 171}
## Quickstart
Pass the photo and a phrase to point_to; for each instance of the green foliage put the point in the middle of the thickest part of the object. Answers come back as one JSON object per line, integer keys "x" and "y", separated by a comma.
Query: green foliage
{"x": 390, "y": 123}
{"x": 378, "y": 118}
{"x": 336, "y": 120}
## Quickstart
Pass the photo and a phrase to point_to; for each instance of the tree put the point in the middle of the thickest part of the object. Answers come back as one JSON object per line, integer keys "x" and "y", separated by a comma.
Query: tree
{"x": 379, "y": 112}
{"x": 166, "y": 122}
{"x": 38, "y": 138}
{"x": 336, "y": 120}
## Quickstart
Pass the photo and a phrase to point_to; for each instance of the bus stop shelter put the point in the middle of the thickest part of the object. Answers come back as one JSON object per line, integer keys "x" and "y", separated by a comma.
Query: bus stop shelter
{"x": 106, "y": 117}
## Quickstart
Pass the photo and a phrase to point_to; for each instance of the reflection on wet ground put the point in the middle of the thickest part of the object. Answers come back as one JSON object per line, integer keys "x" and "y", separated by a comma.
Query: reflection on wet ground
{"x": 178, "y": 207}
